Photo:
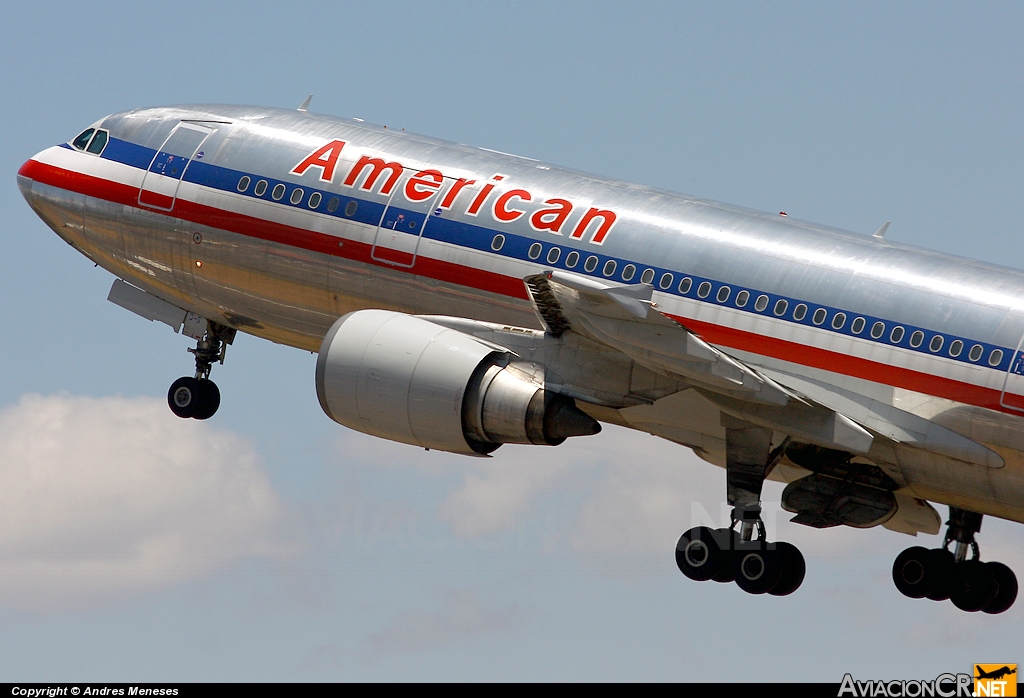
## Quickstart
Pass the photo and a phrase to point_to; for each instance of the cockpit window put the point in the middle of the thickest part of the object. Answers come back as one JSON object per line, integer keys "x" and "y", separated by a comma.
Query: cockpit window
{"x": 91, "y": 140}
{"x": 83, "y": 139}
{"x": 99, "y": 142}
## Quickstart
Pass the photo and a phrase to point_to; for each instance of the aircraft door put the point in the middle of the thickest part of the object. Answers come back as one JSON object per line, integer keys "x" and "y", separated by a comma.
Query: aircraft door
{"x": 402, "y": 224}
{"x": 1012, "y": 396}
{"x": 160, "y": 184}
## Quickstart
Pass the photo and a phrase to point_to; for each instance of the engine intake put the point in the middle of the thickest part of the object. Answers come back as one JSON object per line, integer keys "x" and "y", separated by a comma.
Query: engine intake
{"x": 410, "y": 380}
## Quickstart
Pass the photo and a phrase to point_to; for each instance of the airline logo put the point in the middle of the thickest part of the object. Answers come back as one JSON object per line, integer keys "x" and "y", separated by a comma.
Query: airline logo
{"x": 995, "y": 680}
{"x": 552, "y": 215}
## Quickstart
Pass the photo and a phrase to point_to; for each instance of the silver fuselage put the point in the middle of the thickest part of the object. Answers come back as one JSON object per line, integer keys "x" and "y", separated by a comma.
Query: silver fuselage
{"x": 932, "y": 334}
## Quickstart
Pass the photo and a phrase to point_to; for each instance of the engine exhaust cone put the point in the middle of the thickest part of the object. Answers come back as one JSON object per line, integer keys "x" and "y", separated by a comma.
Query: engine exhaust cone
{"x": 563, "y": 419}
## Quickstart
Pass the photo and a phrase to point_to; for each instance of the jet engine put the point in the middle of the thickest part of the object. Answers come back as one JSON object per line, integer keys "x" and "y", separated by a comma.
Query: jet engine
{"x": 406, "y": 379}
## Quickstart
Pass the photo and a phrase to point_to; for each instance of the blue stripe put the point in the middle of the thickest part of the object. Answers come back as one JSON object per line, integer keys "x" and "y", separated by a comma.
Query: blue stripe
{"x": 518, "y": 247}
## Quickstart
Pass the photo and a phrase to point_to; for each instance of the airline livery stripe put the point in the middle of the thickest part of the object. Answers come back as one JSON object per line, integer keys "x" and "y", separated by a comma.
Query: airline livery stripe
{"x": 513, "y": 287}
{"x": 668, "y": 281}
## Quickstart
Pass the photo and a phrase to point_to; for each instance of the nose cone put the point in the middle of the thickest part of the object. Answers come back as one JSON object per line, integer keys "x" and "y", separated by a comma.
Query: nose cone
{"x": 25, "y": 180}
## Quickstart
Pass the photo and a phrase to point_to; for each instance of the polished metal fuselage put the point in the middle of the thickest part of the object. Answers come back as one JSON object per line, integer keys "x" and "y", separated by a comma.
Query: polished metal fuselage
{"x": 286, "y": 271}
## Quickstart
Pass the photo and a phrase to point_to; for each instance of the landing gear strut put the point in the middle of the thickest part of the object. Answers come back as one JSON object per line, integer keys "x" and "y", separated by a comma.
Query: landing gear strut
{"x": 728, "y": 554}
{"x": 198, "y": 397}
{"x": 940, "y": 574}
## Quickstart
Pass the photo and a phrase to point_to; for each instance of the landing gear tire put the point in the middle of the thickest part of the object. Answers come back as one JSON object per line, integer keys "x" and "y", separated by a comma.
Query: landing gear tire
{"x": 192, "y": 398}
{"x": 941, "y": 564}
{"x": 698, "y": 555}
{"x": 758, "y": 571}
{"x": 793, "y": 569}
{"x": 973, "y": 586}
{"x": 184, "y": 396}
{"x": 209, "y": 400}
{"x": 913, "y": 572}
{"x": 1006, "y": 588}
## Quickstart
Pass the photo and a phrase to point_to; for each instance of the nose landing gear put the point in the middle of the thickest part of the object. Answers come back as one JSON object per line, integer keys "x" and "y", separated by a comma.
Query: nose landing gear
{"x": 972, "y": 585}
{"x": 198, "y": 397}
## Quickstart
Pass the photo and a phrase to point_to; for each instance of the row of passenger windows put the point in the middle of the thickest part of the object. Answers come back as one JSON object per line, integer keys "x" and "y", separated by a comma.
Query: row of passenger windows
{"x": 761, "y": 303}
{"x": 91, "y": 140}
{"x": 278, "y": 192}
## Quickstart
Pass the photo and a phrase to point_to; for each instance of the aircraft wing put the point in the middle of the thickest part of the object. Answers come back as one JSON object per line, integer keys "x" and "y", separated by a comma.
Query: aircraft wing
{"x": 625, "y": 317}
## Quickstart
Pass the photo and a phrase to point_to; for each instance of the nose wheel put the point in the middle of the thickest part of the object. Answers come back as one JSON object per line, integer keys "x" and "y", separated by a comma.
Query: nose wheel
{"x": 938, "y": 574}
{"x": 198, "y": 397}
{"x": 193, "y": 398}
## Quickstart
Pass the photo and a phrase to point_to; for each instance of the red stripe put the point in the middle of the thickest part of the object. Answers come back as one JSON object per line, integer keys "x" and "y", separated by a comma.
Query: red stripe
{"x": 855, "y": 366}
{"x": 271, "y": 231}
{"x": 513, "y": 287}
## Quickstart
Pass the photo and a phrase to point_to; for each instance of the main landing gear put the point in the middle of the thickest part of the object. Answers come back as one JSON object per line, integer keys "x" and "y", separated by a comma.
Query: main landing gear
{"x": 938, "y": 574}
{"x": 731, "y": 555}
{"x": 198, "y": 397}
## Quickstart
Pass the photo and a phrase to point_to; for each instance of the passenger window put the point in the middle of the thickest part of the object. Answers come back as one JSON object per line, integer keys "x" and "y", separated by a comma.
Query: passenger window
{"x": 628, "y": 272}
{"x": 800, "y": 312}
{"x": 995, "y": 357}
{"x": 780, "y": 307}
{"x": 591, "y": 263}
{"x": 553, "y": 254}
{"x": 261, "y": 188}
{"x": 838, "y": 321}
{"x": 314, "y": 199}
{"x": 916, "y": 338}
{"x": 665, "y": 282}
{"x": 333, "y": 204}
{"x": 535, "y": 250}
{"x": 761, "y": 303}
{"x": 955, "y": 348}
{"x": 723, "y": 294}
{"x": 83, "y": 139}
{"x": 819, "y": 316}
{"x": 936, "y": 343}
{"x": 243, "y": 184}
{"x": 99, "y": 142}
{"x": 704, "y": 290}
{"x": 572, "y": 259}
{"x": 858, "y": 325}
{"x": 609, "y": 267}
{"x": 296, "y": 197}
{"x": 877, "y": 330}
{"x": 741, "y": 298}
{"x": 976, "y": 352}
{"x": 896, "y": 336}
{"x": 647, "y": 277}
{"x": 685, "y": 284}
{"x": 498, "y": 242}
{"x": 350, "y": 208}
{"x": 278, "y": 192}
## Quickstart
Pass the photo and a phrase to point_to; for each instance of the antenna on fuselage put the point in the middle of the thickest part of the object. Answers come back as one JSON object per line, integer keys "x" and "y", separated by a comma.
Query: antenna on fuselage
{"x": 305, "y": 103}
{"x": 880, "y": 233}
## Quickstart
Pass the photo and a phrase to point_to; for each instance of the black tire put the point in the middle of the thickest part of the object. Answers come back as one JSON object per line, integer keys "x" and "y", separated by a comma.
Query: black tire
{"x": 973, "y": 586}
{"x": 941, "y": 567}
{"x": 758, "y": 571}
{"x": 209, "y": 400}
{"x": 183, "y": 397}
{"x": 912, "y": 572}
{"x": 1006, "y": 594}
{"x": 793, "y": 569}
{"x": 727, "y": 566}
{"x": 698, "y": 555}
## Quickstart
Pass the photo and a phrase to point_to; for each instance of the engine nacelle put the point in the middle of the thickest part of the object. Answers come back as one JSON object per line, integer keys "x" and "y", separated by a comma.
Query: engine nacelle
{"x": 407, "y": 379}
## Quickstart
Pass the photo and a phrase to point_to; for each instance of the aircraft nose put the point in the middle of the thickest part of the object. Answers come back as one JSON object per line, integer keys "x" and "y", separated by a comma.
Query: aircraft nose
{"x": 25, "y": 179}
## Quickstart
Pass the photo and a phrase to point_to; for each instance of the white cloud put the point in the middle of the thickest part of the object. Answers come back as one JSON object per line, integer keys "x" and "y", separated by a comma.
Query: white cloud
{"x": 462, "y": 616}
{"x": 105, "y": 496}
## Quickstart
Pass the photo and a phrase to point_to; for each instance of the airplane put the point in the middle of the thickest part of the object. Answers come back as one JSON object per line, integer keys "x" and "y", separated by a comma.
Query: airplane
{"x": 460, "y": 298}
{"x": 995, "y": 674}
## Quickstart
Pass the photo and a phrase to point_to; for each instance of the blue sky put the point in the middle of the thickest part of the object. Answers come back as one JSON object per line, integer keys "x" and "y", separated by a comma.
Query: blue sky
{"x": 272, "y": 544}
